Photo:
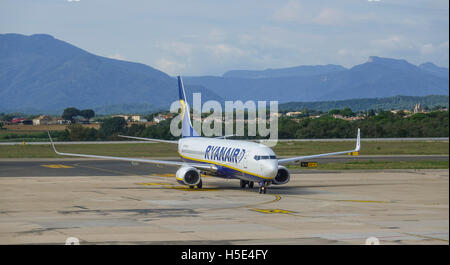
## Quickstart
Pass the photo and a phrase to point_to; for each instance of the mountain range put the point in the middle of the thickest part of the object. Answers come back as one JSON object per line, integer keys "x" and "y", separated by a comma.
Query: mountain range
{"x": 376, "y": 78}
{"x": 41, "y": 74}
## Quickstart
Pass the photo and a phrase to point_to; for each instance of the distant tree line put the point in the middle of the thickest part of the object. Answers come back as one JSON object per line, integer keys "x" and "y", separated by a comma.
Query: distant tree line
{"x": 364, "y": 104}
{"x": 384, "y": 124}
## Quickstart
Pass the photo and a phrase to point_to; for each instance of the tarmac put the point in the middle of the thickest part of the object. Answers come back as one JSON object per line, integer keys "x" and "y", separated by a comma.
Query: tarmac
{"x": 108, "y": 202}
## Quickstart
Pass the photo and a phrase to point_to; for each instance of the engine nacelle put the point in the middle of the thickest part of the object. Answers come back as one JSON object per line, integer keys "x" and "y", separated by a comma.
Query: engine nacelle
{"x": 188, "y": 176}
{"x": 283, "y": 176}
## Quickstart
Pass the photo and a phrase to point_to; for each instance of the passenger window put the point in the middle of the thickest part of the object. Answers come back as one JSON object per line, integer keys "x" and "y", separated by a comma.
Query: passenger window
{"x": 273, "y": 157}
{"x": 265, "y": 157}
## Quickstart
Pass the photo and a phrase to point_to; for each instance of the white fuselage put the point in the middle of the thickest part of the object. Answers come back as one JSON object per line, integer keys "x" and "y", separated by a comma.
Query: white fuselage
{"x": 233, "y": 158}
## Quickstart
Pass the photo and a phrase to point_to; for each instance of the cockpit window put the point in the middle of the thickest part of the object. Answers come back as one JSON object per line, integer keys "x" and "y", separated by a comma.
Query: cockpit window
{"x": 257, "y": 157}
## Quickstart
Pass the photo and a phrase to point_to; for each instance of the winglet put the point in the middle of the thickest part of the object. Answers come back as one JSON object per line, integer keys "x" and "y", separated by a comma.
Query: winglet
{"x": 358, "y": 141}
{"x": 51, "y": 142}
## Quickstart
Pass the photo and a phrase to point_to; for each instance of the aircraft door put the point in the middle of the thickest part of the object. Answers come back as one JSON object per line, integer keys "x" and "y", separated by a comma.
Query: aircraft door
{"x": 245, "y": 161}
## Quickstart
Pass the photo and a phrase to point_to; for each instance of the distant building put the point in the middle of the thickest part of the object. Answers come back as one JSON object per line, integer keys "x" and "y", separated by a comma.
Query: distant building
{"x": 400, "y": 110}
{"x": 354, "y": 118}
{"x": 169, "y": 116}
{"x": 159, "y": 118}
{"x": 293, "y": 113}
{"x": 42, "y": 120}
{"x": 61, "y": 121}
{"x": 19, "y": 120}
{"x": 418, "y": 108}
{"x": 125, "y": 117}
{"x": 136, "y": 118}
{"x": 275, "y": 114}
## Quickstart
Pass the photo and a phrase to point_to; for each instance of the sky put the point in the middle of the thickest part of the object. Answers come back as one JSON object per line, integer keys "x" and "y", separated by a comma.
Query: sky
{"x": 210, "y": 37}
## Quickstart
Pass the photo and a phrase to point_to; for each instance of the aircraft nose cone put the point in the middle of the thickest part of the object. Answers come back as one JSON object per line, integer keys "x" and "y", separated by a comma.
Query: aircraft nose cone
{"x": 271, "y": 170}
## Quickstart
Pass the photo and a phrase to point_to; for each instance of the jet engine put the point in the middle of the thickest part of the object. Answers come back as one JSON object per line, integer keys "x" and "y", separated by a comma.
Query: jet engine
{"x": 188, "y": 176}
{"x": 283, "y": 176}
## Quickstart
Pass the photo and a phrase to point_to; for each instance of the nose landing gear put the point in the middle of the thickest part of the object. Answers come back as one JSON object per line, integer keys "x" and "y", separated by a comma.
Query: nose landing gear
{"x": 263, "y": 187}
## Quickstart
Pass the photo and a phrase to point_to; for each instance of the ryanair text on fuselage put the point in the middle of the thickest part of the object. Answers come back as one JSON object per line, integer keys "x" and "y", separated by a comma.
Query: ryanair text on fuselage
{"x": 224, "y": 154}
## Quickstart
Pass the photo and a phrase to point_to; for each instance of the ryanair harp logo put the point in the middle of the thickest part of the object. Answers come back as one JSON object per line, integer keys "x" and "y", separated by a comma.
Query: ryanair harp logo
{"x": 224, "y": 154}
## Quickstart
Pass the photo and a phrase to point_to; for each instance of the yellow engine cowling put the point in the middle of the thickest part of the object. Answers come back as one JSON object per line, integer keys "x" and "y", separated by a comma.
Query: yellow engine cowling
{"x": 188, "y": 176}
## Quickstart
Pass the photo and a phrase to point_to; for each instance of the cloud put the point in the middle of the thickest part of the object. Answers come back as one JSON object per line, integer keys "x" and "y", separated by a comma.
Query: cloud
{"x": 289, "y": 12}
{"x": 293, "y": 11}
{"x": 170, "y": 67}
{"x": 117, "y": 56}
{"x": 427, "y": 48}
{"x": 393, "y": 42}
{"x": 328, "y": 16}
{"x": 222, "y": 49}
{"x": 178, "y": 48}
{"x": 72, "y": 0}
{"x": 444, "y": 45}
{"x": 430, "y": 48}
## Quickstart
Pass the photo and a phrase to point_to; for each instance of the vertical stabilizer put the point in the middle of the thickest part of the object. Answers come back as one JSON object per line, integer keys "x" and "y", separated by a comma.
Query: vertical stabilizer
{"x": 186, "y": 125}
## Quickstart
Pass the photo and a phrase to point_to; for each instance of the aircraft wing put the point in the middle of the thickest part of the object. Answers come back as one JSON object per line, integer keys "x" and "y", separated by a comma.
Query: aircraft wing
{"x": 206, "y": 167}
{"x": 299, "y": 158}
{"x": 149, "y": 139}
{"x": 225, "y": 136}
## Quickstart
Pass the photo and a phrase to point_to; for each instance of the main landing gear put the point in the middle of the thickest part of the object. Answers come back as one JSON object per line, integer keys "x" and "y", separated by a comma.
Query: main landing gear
{"x": 247, "y": 183}
{"x": 199, "y": 185}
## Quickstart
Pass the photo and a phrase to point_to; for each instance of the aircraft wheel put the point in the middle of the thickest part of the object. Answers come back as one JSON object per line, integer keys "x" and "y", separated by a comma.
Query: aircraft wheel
{"x": 250, "y": 184}
{"x": 243, "y": 183}
{"x": 200, "y": 184}
{"x": 191, "y": 187}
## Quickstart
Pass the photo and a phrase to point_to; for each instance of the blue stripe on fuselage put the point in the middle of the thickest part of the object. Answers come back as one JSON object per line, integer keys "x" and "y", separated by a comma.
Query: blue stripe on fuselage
{"x": 226, "y": 172}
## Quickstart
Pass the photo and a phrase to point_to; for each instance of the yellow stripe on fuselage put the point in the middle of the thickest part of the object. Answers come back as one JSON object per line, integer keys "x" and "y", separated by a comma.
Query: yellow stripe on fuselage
{"x": 223, "y": 165}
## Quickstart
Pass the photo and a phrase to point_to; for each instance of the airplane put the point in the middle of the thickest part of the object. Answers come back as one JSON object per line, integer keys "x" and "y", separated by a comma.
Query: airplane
{"x": 247, "y": 161}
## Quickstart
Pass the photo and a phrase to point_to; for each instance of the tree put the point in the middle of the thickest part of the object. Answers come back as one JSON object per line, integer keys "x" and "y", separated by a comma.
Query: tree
{"x": 334, "y": 112}
{"x": 87, "y": 113}
{"x": 69, "y": 113}
{"x": 79, "y": 133}
{"x": 112, "y": 126}
{"x": 8, "y": 117}
{"x": 371, "y": 113}
{"x": 347, "y": 112}
{"x": 136, "y": 130}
